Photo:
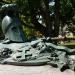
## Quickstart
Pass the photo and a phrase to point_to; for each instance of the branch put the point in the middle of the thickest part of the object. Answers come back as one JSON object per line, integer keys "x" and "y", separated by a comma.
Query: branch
{"x": 2, "y": 1}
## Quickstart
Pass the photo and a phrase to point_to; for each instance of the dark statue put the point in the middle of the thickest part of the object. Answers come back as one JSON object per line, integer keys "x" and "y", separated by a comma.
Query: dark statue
{"x": 16, "y": 51}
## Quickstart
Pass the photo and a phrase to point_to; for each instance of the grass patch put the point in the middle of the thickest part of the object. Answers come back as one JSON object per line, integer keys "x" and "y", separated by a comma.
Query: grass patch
{"x": 69, "y": 44}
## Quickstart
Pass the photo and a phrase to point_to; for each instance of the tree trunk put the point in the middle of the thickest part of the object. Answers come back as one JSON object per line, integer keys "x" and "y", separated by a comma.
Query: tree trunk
{"x": 46, "y": 31}
{"x": 37, "y": 25}
{"x": 34, "y": 21}
{"x": 46, "y": 16}
{"x": 57, "y": 16}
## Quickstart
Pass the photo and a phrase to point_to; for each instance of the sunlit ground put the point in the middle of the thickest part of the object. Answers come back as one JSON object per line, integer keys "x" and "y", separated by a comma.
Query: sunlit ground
{"x": 70, "y": 44}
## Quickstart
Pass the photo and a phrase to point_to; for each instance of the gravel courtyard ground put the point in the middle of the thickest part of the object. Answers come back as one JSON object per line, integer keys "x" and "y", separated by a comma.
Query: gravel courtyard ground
{"x": 32, "y": 70}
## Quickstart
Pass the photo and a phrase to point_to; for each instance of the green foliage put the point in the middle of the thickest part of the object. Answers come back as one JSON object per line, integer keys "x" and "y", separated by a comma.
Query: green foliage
{"x": 66, "y": 7}
{"x": 69, "y": 44}
{"x": 29, "y": 33}
{"x": 67, "y": 11}
{"x": 34, "y": 3}
{"x": 73, "y": 3}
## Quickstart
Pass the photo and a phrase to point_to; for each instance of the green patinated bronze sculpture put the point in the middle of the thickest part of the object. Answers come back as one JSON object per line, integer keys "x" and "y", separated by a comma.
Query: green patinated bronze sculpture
{"x": 11, "y": 25}
{"x": 14, "y": 50}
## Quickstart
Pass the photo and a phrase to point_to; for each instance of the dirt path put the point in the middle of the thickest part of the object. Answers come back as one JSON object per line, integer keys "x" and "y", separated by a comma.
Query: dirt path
{"x": 32, "y": 70}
